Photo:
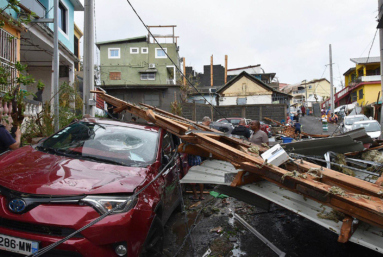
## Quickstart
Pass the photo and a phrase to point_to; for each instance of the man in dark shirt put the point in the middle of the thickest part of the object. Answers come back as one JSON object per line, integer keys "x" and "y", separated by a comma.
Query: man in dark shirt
{"x": 7, "y": 142}
{"x": 297, "y": 126}
{"x": 241, "y": 130}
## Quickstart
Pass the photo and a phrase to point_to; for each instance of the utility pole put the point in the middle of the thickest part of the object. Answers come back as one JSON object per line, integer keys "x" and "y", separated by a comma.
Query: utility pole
{"x": 89, "y": 102}
{"x": 211, "y": 70}
{"x": 331, "y": 84}
{"x": 56, "y": 59}
{"x": 380, "y": 15}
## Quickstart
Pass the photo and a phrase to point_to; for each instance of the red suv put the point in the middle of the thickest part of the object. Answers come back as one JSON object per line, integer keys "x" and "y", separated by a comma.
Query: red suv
{"x": 54, "y": 188}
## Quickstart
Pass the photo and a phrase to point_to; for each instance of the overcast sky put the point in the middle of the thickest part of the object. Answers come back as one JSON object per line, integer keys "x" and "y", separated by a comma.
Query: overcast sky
{"x": 288, "y": 37}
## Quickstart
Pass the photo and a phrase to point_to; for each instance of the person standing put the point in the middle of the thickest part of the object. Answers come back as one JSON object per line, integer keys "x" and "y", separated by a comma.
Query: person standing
{"x": 241, "y": 130}
{"x": 303, "y": 109}
{"x": 206, "y": 121}
{"x": 7, "y": 142}
{"x": 258, "y": 136}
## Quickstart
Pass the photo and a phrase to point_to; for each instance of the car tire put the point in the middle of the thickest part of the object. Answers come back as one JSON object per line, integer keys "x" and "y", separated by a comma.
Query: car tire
{"x": 154, "y": 242}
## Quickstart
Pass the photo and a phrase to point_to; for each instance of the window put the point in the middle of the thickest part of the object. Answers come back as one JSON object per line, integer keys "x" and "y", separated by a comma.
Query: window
{"x": 148, "y": 76}
{"x": 160, "y": 53}
{"x": 62, "y": 19}
{"x": 310, "y": 87}
{"x": 115, "y": 75}
{"x": 134, "y": 50}
{"x": 353, "y": 96}
{"x": 114, "y": 53}
{"x": 76, "y": 51}
{"x": 152, "y": 99}
{"x": 361, "y": 94}
{"x": 310, "y": 95}
{"x": 144, "y": 50}
{"x": 63, "y": 71}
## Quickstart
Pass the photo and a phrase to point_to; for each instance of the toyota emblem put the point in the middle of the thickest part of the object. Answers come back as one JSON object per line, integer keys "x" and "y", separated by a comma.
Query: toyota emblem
{"x": 17, "y": 205}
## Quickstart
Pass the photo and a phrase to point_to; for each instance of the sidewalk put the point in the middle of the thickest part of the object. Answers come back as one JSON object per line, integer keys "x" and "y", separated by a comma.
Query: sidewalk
{"x": 313, "y": 125}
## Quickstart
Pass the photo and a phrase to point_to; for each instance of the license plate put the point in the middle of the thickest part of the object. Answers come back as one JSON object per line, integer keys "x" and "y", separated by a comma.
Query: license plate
{"x": 18, "y": 245}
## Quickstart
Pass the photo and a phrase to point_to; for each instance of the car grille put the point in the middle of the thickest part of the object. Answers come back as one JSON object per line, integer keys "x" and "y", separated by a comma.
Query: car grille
{"x": 52, "y": 253}
{"x": 37, "y": 228}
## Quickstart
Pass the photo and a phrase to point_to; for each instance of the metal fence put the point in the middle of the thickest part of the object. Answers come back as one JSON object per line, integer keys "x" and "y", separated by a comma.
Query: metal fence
{"x": 8, "y": 58}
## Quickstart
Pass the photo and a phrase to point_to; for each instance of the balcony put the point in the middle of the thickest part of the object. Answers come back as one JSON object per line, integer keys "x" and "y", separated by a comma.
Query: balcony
{"x": 297, "y": 92}
{"x": 370, "y": 78}
{"x": 33, "y": 6}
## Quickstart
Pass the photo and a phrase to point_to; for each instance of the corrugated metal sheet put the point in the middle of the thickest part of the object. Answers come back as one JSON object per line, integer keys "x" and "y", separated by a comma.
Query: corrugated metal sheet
{"x": 213, "y": 172}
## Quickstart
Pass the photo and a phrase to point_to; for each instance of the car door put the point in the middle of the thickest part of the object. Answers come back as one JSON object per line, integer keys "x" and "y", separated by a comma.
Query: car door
{"x": 170, "y": 190}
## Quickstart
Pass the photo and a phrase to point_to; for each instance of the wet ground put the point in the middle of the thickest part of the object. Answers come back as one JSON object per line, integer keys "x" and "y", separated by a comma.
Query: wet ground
{"x": 217, "y": 233}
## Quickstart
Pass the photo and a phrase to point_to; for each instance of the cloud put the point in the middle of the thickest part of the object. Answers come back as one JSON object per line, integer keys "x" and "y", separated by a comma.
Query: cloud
{"x": 290, "y": 38}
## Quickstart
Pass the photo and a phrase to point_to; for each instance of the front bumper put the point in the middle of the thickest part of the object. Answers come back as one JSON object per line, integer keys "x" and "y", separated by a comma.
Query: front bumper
{"x": 44, "y": 224}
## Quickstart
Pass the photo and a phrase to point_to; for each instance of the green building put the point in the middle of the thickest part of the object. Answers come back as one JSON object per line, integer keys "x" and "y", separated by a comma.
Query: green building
{"x": 136, "y": 70}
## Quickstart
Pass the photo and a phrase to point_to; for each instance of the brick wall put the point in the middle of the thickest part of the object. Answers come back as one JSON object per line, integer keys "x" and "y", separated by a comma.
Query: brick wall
{"x": 255, "y": 112}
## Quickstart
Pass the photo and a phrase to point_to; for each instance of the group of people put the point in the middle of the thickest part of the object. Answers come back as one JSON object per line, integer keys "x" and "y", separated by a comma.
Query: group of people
{"x": 329, "y": 116}
{"x": 254, "y": 134}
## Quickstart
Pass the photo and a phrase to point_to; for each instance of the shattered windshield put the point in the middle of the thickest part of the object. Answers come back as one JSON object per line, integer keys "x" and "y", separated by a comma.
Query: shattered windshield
{"x": 104, "y": 143}
{"x": 350, "y": 121}
{"x": 368, "y": 126}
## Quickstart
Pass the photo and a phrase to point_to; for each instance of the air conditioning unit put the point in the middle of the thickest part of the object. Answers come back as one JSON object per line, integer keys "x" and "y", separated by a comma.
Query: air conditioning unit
{"x": 212, "y": 90}
{"x": 152, "y": 65}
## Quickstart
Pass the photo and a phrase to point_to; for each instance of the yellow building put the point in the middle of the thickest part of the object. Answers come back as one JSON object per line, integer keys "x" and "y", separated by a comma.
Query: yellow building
{"x": 363, "y": 81}
{"x": 77, "y": 36}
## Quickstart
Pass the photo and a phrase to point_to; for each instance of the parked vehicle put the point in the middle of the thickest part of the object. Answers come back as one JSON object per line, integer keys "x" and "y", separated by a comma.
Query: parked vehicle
{"x": 234, "y": 121}
{"x": 348, "y": 121}
{"x": 82, "y": 172}
{"x": 372, "y": 127}
{"x": 266, "y": 128}
{"x": 221, "y": 126}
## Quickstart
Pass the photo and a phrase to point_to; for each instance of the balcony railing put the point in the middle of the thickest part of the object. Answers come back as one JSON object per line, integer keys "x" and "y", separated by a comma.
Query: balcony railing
{"x": 370, "y": 78}
{"x": 302, "y": 91}
{"x": 34, "y": 6}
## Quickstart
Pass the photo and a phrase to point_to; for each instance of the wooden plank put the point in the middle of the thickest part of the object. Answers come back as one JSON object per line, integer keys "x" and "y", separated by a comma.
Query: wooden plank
{"x": 347, "y": 229}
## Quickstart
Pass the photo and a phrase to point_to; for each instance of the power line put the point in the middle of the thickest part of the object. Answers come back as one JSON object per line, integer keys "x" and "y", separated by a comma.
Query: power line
{"x": 172, "y": 60}
{"x": 373, "y": 40}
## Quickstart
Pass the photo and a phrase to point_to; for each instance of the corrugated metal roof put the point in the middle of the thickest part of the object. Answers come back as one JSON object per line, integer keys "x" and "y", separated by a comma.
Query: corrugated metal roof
{"x": 140, "y": 38}
{"x": 213, "y": 172}
{"x": 373, "y": 59}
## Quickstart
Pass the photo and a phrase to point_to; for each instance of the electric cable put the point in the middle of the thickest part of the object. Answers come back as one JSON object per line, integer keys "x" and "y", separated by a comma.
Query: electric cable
{"x": 373, "y": 40}
{"x": 178, "y": 69}
{"x": 52, "y": 246}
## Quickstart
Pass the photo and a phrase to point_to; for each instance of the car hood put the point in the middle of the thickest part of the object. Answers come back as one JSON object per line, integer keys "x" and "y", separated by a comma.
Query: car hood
{"x": 374, "y": 134}
{"x": 30, "y": 171}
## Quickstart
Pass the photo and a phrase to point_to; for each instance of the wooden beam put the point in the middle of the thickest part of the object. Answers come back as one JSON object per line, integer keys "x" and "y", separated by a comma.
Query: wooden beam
{"x": 348, "y": 228}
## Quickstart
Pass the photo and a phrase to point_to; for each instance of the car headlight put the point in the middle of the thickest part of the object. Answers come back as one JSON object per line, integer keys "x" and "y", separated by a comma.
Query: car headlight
{"x": 104, "y": 204}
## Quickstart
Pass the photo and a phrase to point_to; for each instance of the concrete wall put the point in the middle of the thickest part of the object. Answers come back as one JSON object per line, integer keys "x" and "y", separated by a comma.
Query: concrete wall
{"x": 255, "y": 112}
{"x": 130, "y": 64}
{"x": 45, "y": 75}
{"x": 137, "y": 95}
{"x": 253, "y": 99}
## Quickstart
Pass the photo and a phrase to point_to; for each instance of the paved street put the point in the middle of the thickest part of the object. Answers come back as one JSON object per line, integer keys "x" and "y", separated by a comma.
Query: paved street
{"x": 313, "y": 125}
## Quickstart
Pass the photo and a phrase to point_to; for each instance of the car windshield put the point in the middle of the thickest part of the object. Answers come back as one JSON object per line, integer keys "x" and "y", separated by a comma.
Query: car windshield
{"x": 368, "y": 126}
{"x": 104, "y": 143}
{"x": 350, "y": 121}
